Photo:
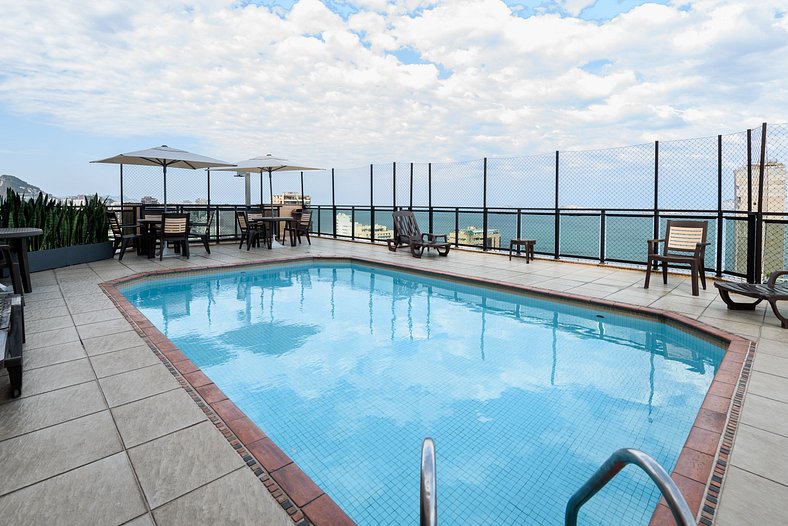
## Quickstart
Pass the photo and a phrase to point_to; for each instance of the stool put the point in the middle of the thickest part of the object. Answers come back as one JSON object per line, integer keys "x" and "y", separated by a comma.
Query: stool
{"x": 529, "y": 248}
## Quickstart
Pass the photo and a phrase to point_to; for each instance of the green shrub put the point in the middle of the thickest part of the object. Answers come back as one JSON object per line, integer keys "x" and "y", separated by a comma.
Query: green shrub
{"x": 64, "y": 223}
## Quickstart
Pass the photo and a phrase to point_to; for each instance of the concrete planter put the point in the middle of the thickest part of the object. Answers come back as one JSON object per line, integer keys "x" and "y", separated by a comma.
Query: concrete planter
{"x": 74, "y": 255}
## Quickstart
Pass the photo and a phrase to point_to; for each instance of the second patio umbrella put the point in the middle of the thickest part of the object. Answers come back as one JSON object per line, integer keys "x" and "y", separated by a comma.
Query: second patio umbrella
{"x": 267, "y": 163}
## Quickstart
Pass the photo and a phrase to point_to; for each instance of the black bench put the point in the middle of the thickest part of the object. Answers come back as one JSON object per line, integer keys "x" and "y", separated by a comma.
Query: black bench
{"x": 11, "y": 338}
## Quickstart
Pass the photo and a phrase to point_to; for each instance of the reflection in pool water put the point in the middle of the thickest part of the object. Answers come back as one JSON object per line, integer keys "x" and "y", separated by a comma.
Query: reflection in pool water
{"x": 347, "y": 368}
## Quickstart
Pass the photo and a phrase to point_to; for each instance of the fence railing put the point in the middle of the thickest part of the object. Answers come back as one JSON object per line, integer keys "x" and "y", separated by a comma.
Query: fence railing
{"x": 599, "y": 205}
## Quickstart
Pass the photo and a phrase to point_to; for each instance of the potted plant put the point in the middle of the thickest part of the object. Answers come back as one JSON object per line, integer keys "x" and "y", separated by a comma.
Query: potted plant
{"x": 73, "y": 233}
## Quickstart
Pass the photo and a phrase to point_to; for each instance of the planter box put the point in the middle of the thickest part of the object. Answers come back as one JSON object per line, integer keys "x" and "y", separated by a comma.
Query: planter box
{"x": 63, "y": 257}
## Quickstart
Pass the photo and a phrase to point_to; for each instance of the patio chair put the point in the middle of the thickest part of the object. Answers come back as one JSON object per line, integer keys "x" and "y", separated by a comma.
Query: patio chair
{"x": 121, "y": 239}
{"x": 684, "y": 243}
{"x": 302, "y": 226}
{"x": 243, "y": 227}
{"x": 7, "y": 262}
{"x": 202, "y": 231}
{"x": 257, "y": 229}
{"x": 772, "y": 292}
{"x": 174, "y": 229}
{"x": 406, "y": 232}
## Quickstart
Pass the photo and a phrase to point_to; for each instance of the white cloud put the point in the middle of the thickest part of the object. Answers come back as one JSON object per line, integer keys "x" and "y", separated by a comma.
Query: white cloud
{"x": 317, "y": 86}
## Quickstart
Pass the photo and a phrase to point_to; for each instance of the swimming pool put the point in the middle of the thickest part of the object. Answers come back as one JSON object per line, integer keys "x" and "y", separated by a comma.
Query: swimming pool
{"x": 348, "y": 367}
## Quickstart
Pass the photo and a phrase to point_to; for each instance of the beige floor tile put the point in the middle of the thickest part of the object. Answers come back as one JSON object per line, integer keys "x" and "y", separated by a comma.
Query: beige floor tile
{"x": 45, "y": 379}
{"x": 236, "y": 498}
{"x": 47, "y": 324}
{"x": 769, "y": 363}
{"x": 96, "y": 316}
{"x": 137, "y": 384}
{"x": 103, "y": 493}
{"x": 156, "y": 416}
{"x": 765, "y": 413}
{"x": 102, "y": 328}
{"x": 750, "y": 499}
{"x": 178, "y": 463}
{"x": 122, "y": 361}
{"x": 769, "y": 386}
{"x": 762, "y": 453}
{"x": 112, "y": 342}
{"x": 28, "y": 458}
{"x": 37, "y": 412}
{"x": 34, "y": 313}
{"x": 52, "y": 337}
{"x": 44, "y": 356}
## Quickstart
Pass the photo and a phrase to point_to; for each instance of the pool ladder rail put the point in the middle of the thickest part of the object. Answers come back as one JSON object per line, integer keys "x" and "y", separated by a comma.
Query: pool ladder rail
{"x": 429, "y": 485}
{"x": 606, "y": 472}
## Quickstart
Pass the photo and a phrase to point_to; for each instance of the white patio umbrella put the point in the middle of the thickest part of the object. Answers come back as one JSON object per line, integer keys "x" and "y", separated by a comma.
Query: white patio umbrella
{"x": 165, "y": 157}
{"x": 267, "y": 163}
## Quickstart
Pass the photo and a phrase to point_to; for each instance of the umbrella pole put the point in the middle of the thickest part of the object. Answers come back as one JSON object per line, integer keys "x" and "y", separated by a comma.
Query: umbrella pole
{"x": 164, "y": 166}
{"x": 271, "y": 191}
{"x": 262, "y": 202}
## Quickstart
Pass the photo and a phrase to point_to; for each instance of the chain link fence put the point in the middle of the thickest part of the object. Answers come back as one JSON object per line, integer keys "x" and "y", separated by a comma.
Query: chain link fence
{"x": 599, "y": 205}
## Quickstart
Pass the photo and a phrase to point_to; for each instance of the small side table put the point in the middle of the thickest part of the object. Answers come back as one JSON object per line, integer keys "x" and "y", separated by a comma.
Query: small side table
{"x": 18, "y": 238}
{"x": 528, "y": 244}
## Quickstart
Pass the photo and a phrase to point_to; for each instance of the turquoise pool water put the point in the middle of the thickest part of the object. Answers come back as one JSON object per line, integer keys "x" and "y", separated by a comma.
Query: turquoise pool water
{"x": 348, "y": 367}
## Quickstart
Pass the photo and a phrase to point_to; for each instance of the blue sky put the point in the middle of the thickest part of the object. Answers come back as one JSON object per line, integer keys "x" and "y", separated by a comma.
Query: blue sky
{"x": 348, "y": 83}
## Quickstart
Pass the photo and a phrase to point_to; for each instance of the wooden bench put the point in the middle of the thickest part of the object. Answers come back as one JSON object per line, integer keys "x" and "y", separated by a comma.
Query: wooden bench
{"x": 11, "y": 338}
{"x": 528, "y": 244}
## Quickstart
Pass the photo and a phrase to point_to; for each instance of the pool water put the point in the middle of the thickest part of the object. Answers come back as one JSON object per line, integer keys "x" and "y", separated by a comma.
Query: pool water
{"x": 348, "y": 367}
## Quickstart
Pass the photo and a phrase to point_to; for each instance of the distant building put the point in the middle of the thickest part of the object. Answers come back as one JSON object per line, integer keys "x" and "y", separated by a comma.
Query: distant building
{"x": 291, "y": 198}
{"x": 775, "y": 196}
{"x": 475, "y": 237}
{"x": 345, "y": 227}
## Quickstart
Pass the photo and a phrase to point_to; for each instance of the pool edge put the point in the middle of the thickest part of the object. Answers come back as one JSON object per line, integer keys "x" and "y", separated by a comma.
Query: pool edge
{"x": 699, "y": 471}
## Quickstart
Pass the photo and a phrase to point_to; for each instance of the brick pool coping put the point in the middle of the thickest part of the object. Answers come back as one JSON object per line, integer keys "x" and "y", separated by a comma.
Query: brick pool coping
{"x": 699, "y": 471}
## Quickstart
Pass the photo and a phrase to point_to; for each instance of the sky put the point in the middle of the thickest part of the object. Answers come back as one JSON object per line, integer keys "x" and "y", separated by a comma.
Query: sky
{"x": 346, "y": 83}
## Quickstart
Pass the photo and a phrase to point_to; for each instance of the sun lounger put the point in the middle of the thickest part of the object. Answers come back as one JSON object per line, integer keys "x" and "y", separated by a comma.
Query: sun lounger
{"x": 771, "y": 292}
{"x": 406, "y": 232}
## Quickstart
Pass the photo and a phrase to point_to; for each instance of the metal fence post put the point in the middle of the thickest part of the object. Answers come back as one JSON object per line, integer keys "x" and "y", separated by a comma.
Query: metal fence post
{"x": 656, "y": 190}
{"x": 333, "y": 205}
{"x": 557, "y": 231}
{"x": 394, "y": 185}
{"x": 410, "y": 207}
{"x": 352, "y": 223}
{"x": 602, "y": 237}
{"x": 751, "y": 229}
{"x": 121, "y": 193}
{"x": 456, "y": 227}
{"x": 429, "y": 194}
{"x": 718, "y": 272}
{"x": 484, "y": 207}
{"x": 759, "y": 220}
{"x": 372, "y": 203}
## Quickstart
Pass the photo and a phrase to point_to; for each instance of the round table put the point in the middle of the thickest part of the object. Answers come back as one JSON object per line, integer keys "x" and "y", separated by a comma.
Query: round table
{"x": 18, "y": 238}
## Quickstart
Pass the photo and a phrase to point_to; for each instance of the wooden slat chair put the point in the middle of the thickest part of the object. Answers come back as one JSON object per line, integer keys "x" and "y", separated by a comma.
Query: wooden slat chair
{"x": 406, "y": 232}
{"x": 303, "y": 225}
{"x": 202, "y": 231}
{"x": 174, "y": 229}
{"x": 243, "y": 226}
{"x": 258, "y": 229}
{"x": 684, "y": 243}
{"x": 772, "y": 291}
{"x": 122, "y": 237}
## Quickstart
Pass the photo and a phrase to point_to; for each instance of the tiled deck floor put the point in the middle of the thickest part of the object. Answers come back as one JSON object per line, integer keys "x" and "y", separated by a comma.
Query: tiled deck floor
{"x": 105, "y": 435}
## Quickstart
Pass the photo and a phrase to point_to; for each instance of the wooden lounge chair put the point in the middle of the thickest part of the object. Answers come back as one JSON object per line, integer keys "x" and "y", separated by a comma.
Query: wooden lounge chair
{"x": 121, "y": 234}
{"x": 302, "y": 226}
{"x": 406, "y": 232}
{"x": 771, "y": 292}
{"x": 685, "y": 243}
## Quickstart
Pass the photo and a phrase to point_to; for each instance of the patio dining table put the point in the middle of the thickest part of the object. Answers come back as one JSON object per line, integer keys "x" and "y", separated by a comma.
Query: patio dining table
{"x": 18, "y": 238}
{"x": 275, "y": 222}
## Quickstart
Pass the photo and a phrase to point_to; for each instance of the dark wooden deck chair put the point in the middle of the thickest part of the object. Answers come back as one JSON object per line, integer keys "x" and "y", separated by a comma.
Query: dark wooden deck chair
{"x": 258, "y": 229}
{"x": 174, "y": 229}
{"x": 302, "y": 226}
{"x": 684, "y": 243}
{"x": 123, "y": 235}
{"x": 202, "y": 231}
{"x": 406, "y": 232}
{"x": 772, "y": 292}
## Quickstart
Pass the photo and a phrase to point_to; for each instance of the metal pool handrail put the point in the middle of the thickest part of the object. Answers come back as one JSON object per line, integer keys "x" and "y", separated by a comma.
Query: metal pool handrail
{"x": 429, "y": 495}
{"x": 607, "y": 471}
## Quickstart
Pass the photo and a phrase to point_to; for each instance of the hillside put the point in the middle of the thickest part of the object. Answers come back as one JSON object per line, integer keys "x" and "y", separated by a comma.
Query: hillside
{"x": 17, "y": 185}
